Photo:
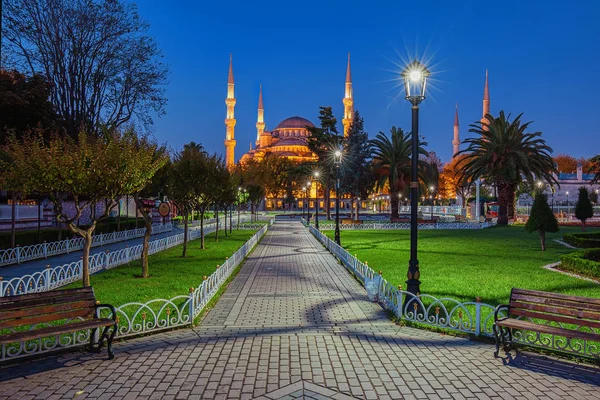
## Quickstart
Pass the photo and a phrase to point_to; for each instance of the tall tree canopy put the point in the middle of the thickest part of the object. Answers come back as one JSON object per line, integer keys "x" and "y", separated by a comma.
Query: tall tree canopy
{"x": 103, "y": 66}
{"x": 392, "y": 162}
{"x": 505, "y": 154}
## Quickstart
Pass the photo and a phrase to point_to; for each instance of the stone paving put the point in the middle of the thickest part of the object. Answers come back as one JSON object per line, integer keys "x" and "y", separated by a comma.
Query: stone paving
{"x": 293, "y": 324}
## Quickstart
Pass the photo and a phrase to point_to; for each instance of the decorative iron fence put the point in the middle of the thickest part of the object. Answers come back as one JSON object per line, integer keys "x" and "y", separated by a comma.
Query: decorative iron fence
{"x": 149, "y": 317}
{"x": 406, "y": 225}
{"x": 20, "y": 254}
{"x": 52, "y": 278}
{"x": 474, "y": 317}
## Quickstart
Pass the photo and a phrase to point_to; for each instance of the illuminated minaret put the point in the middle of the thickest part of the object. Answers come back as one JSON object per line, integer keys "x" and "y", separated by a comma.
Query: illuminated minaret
{"x": 486, "y": 101}
{"x": 260, "y": 122}
{"x": 348, "y": 101}
{"x": 456, "y": 141}
{"x": 230, "y": 120}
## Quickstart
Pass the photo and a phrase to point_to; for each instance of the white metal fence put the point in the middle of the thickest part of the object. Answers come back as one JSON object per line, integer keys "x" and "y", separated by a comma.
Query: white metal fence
{"x": 406, "y": 225}
{"x": 472, "y": 317}
{"x": 20, "y": 254}
{"x": 52, "y": 278}
{"x": 152, "y": 316}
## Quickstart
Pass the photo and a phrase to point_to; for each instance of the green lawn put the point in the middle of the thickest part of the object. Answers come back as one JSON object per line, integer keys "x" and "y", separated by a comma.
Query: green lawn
{"x": 463, "y": 264}
{"x": 170, "y": 275}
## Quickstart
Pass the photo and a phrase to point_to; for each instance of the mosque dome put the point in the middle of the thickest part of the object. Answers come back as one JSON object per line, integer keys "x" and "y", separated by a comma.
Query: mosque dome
{"x": 294, "y": 123}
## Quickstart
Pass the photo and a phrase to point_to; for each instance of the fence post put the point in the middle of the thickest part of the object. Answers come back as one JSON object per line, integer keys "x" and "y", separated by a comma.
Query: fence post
{"x": 1, "y": 287}
{"x": 45, "y": 249}
{"x": 477, "y": 316}
{"x": 18, "y": 254}
{"x": 191, "y": 306}
{"x": 47, "y": 276}
{"x": 127, "y": 253}
{"x": 106, "y": 259}
{"x": 399, "y": 303}
{"x": 67, "y": 245}
{"x": 101, "y": 237}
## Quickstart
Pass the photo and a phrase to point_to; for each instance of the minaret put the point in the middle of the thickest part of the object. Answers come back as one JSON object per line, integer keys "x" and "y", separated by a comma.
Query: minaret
{"x": 456, "y": 141}
{"x": 260, "y": 122}
{"x": 230, "y": 120}
{"x": 348, "y": 101}
{"x": 486, "y": 101}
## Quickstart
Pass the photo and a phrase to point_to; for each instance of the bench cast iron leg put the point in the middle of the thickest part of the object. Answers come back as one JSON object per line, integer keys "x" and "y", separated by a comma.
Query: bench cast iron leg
{"x": 92, "y": 336}
{"x": 111, "y": 354}
{"x": 497, "y": 336}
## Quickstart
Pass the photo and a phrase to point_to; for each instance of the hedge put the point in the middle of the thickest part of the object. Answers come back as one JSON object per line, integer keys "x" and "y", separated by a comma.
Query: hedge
{"x": 586, "y": 262}
{"x": 583, "y": 240}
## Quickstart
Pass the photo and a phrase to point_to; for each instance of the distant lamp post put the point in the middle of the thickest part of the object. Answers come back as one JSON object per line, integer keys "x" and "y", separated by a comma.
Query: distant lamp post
{"x": 337, "y": 162}
{"x": 316, "y": 179}
{"x": 415, "y": 82}
{"x": 308, "y": 187}
{"x": 568, "y": 208}
{"x": 431, "y": 197}
{"x": 304, "y": 203}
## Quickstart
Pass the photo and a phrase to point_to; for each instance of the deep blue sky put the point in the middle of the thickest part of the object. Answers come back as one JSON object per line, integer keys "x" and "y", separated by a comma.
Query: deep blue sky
{"x": 543, "y": 59}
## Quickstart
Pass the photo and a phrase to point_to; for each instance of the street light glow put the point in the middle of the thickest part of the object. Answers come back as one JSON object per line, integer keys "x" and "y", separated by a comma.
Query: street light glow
{"x": 415, "y": 75}
{"x": 338, "y": 153}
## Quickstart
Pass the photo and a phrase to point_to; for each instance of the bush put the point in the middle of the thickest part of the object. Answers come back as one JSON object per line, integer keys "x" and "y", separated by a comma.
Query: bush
{"x": 585, "y": 262}
{"x": 583, "y": 240}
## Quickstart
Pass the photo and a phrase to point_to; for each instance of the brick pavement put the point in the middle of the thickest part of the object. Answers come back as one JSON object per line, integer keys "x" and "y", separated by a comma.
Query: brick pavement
{"x": 293, "y": 324}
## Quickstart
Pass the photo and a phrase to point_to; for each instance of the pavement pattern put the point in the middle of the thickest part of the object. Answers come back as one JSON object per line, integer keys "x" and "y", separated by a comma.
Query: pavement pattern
{"x": 293, "y": 324}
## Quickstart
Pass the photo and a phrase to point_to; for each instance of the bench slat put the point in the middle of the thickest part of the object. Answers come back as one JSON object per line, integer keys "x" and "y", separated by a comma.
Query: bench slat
{"x": 46, "y": 309}
{"x": 555, "y": 318}
{"x": 593, "y": 315}
{"x": 42, "y": 295}
{"x": 56, "y": 330}
{"x": 37, "y": 319}
{"x": 553, "y": 330}
{"x": 555, "y": 296}
{"x": 13, "y": 304}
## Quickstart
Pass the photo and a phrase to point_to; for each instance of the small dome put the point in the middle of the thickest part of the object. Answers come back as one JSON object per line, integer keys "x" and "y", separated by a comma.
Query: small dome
{"x": 294, "y": 122}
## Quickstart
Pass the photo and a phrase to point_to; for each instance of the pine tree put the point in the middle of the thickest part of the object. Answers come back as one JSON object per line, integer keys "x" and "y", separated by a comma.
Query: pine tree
{"x": 541, "y": 219}
{"x": 583, "y": 208}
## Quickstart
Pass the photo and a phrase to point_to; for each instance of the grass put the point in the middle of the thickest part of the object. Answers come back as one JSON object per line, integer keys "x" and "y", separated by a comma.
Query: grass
{"x": 170, "y": 275}
{"x": 464, "y": 264}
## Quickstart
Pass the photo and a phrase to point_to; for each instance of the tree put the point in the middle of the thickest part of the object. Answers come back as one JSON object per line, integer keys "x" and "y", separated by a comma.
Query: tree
{"x": 392, "y": 162}
{"x": 565, "y": 163}
{"x": 595, "y": 168}
{"x": 103, "y": 66}
{"x": 186, "y": 171}
{"x": 583, "y": 208}
{"x": 541, "y": 219}
{"x": 505, "y": 154}
{"x": 323, "y": 141}
{"x": 91, "y": 170}
{"x": 452, "y": 183}
{"x": 24, "y": 104}
{"x": 157, "y": 185}
{"x": 356, "y": 175}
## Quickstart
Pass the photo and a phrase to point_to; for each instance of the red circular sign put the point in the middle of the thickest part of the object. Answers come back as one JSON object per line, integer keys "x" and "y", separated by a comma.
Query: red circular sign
{"x": 164, "y": 209}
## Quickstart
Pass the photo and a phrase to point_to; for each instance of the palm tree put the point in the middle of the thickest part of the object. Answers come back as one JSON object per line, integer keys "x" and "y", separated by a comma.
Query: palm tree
{"x": 392, "y": 161}
{"x": 505, "y": 154}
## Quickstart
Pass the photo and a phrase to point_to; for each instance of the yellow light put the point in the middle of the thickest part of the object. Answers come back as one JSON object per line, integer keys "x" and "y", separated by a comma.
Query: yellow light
{"x": 338, "y": 153}
{"x": 415, "y": 76}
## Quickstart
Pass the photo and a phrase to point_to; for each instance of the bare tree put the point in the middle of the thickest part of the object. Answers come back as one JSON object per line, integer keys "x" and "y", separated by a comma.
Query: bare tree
{"x": 104, "y": 67}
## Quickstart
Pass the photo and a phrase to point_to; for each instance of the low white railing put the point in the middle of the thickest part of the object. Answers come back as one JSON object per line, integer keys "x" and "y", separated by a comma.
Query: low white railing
{"x": 473, "y": 317}
{"x": 406, "y": 225}
{"x": 20, "y": 254}
{"x": 152, "y": 316}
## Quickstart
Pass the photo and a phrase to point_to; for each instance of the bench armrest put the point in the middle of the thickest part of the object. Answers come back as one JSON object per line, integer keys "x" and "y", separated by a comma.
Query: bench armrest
{"x": 498, "y": 309}
{"x": 109, "y": 306}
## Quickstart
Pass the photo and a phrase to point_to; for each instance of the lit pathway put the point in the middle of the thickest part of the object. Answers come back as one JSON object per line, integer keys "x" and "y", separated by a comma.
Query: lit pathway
{"x": 294, "y": 324}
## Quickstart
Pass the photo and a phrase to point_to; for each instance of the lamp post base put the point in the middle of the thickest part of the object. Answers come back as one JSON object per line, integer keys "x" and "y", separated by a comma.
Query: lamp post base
{"x": 413, "y": 283}
{"x": 337, "y": 235}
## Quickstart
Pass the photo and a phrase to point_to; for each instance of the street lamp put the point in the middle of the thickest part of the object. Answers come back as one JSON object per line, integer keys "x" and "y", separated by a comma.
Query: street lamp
{"x": 308, "y": 186}
{"x": 304, "y": 189}
{"x": 337, "y": 162}
{"x": 316, "y": 179}
{"x": 415, "y": 81}
{"x": 568, "y": 208}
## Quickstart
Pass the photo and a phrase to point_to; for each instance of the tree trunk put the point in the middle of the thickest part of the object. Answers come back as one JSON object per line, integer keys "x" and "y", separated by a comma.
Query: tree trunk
{"x": 231, "y": 219}
{"x": 202, "y": 230}
{"x": 119, "y": 217}
{"x": 394, "y": 204}
{"x": 147, "y": 234}
{"x": 543, "y": 239}
{"x": 583, "y": 225}
{"x": 357, "y": 209}
{"x": 506, "y": 195}
{"x": 85, "y": 261}
{"x": 327, "y": 198}
{"x": 225, "y": 226}
{"x": 13, "y": 220}
{"x": 217, "y": 226}
{"x": 185, "y": 234}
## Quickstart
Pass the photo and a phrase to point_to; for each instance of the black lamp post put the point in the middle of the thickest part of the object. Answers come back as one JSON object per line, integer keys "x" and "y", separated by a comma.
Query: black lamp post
{"x": 316, "y": 179}
{"x": 308, "y": 186}
{"x": 415, "y": 81}
{"x": 337, "y": 162}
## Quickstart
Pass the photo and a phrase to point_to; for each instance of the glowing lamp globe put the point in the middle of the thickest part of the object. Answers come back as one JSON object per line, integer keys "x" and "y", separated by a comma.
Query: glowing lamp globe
{"x": 415, "y": 81}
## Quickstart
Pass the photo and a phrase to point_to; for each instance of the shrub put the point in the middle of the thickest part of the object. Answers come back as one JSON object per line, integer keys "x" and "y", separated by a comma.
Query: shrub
{"x": 586, "y": 262}
{"x": 583, "y": 240}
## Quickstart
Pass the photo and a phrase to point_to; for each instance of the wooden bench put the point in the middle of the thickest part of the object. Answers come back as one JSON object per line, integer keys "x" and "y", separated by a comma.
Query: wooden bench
{"x": 537, "y": 309}
{"x": 75, "y": 309}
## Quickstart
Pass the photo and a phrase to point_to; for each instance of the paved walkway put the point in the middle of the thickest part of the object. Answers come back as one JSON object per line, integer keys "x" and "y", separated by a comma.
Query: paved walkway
{"x": 294, "y": 324}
